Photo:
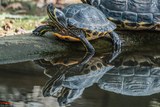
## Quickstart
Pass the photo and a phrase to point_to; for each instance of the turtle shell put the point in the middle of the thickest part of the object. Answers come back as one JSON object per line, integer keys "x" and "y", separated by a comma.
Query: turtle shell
{"x": 132, "y": 14}
{"x": 135, "y": 76}
{"x": 87, "y": 75}
{"x": 132, "y": 81}
{"x": 87, "y": 17}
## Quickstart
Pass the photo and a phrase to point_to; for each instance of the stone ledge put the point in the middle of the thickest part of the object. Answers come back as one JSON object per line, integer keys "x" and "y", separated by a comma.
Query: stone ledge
{"x": 26, "y": 47}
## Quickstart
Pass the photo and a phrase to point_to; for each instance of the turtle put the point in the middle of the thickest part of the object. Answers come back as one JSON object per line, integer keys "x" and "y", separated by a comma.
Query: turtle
{"x": 130, "y": 14}
{"x": 135, "y": 74}
{"x": 68, "y": 86}
{"x": 79, "y": 22}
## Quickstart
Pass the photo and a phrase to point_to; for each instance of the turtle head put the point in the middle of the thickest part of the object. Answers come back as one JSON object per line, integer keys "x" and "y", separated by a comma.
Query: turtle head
{"x": 56, "y": 15}
{"x": 53, "y": 86}
{"x": 92, "y": 2}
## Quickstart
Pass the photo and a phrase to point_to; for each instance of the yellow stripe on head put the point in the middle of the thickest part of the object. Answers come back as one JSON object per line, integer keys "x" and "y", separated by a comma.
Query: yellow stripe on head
{"x": 51, "y": 12}
{"x": 42, "y": 31}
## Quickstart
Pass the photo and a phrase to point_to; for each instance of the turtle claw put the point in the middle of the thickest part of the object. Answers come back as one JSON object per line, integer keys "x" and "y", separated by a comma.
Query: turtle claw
{"x": 117, "y": 44}
{"x": 86, "y": 58}
{"x": 36, "y": 33}
{"x": 116, "y": 52}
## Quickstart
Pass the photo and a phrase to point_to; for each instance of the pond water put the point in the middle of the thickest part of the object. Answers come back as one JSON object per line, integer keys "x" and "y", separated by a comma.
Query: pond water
{"x": 131, "y": 79}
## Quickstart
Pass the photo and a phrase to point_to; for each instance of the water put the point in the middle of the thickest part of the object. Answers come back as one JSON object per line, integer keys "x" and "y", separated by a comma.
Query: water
{"x": 131, "y": 79}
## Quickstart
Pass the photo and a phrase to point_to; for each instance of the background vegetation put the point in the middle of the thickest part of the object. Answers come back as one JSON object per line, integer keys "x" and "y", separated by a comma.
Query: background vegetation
{"x": 22, "y": 16}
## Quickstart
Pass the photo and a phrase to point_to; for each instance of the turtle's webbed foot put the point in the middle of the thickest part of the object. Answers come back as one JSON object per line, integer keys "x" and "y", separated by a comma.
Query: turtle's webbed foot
{"x": 38, "y": 31}
{"x": 115, "y": 53}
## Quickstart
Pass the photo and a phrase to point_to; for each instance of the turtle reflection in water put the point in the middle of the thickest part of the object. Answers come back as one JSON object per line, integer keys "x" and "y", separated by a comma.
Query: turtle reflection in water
{"x": 134, "y": 75}
{"x": 79, "y": 22}
{"x": 68, "y": 82}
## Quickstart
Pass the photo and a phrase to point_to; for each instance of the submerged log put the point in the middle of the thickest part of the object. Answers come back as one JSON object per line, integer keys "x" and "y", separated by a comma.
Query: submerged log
{"x": 26, "y": 47}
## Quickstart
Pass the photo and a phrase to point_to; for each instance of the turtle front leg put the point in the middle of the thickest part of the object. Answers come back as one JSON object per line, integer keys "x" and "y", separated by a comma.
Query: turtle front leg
{"x": 89, "y": 48}
{"x": 87, "y": 44}
{"x": 117, "y": 45}
{"x": 116, "y": 39}
{"x": 78, "y": 33}
{"x": 41, "y": 30}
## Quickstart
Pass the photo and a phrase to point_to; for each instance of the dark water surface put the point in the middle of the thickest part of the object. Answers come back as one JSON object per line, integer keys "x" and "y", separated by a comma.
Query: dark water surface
{"x": 132, "y": 79}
